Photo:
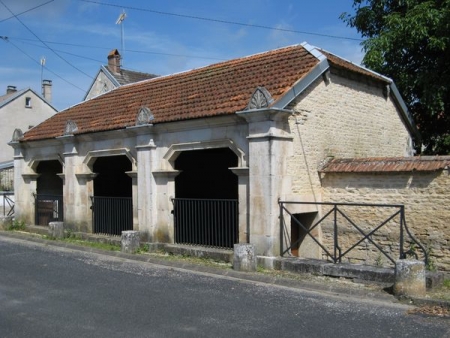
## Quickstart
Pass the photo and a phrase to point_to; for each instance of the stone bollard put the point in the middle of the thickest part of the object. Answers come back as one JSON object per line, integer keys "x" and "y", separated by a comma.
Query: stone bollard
{"x": 5, "y": 222}
{"x": 56, "y": 229}
{"x": 130, "y": 241}
{"x": 410, "y": 278}
{"x": 244, "y": 258}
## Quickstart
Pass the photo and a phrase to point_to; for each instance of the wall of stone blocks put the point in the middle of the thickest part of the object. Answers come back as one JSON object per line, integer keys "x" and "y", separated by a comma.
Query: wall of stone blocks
{"x": 346, "y": 119}
{"x": 425, "y": 196}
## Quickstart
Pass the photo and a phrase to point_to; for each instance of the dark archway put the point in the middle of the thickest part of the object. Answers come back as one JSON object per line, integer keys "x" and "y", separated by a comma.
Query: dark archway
{"x": 206, "y": 174}
{"x": 112, "y": 203}
{"x": 49, "y": 193}
{"x": 111, "y": 179}
{"x": 206, "y": 203}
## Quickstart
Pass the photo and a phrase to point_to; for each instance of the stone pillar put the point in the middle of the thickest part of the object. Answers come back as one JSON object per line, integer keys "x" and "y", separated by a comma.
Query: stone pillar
{"x": 130, "y": 241}
{"x": 244, "y": 258}
{"x": 410, "y": 278}
{"x": 56, "y": 229}
{"x": 268, "y": 149}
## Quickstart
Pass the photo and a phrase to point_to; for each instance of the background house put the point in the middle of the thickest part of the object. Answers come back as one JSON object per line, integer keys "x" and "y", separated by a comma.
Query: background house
{"x": 113, "y": 75}
{"x": 204, "y": 157}
{"x": 22, "y": 109}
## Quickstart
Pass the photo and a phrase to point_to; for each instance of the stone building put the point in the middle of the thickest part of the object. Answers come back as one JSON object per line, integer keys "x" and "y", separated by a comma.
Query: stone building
{"x": 113, "y": 75}
{"x": 203, "y": 157}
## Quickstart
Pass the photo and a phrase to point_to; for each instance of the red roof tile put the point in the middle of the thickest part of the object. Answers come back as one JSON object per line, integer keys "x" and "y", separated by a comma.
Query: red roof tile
{"x": 386, "y": 164}
{"x": 219, "y": 89}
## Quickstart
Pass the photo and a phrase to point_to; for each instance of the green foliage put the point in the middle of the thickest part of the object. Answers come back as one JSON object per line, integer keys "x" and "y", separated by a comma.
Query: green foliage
{"x": 409, "y": 41}
{"x": 17, "y": 226}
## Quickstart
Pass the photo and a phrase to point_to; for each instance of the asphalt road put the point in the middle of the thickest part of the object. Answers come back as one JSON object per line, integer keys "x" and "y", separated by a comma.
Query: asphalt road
{"x": 48, "y": 291}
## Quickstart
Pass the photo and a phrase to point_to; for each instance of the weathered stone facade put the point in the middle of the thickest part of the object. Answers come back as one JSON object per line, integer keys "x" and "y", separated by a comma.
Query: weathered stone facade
{"x": 425, "y": 196}
{"x": 309, "y": 111}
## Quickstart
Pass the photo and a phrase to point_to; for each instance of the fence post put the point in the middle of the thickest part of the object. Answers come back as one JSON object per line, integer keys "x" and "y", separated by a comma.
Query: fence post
{"x": 402, "y": 220}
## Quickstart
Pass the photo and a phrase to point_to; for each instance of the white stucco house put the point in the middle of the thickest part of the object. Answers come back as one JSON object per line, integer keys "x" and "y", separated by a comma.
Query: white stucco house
{"x": 203, "y": 157}
{"x": 22, "y": 109}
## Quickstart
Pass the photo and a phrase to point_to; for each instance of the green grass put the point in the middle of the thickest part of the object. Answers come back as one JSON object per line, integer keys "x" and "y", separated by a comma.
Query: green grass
{"x": 17, "y": 226}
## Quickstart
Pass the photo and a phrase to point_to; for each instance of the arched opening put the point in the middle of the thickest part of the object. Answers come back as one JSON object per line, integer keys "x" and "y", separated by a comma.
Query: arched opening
{"x": 49, "y": 193}
{"x": 112, "y": 204}
{"x": 206, "y": 190}
{"x": 111, "y": 179}
{"x": 206, "y": 174}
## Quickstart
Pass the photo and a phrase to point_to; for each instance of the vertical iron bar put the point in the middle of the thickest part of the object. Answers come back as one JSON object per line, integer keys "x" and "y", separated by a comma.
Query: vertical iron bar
{"x": 335, "y": 234}
{"x": 402, "y": 253}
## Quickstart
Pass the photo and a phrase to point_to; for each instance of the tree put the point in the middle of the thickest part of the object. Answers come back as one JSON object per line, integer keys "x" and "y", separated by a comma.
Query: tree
{"x": 409, "y": 41}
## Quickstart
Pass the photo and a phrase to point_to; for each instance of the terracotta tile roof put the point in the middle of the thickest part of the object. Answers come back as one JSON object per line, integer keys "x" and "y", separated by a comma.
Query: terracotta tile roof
{"x": 344, "y": 64}
{"x": 386, "y": 164}
{"x": 130, "y": 76}
{"x": 219, "y": 89}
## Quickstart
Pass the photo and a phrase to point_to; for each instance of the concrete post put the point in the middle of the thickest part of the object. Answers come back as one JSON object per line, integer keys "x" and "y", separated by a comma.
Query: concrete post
{"x": 244, "y": 257}
{"x": 56, "y": 229}
{"x": 130, "y": 241}
{"x": 410, "y": 278}
{"x": 5, "y": 222}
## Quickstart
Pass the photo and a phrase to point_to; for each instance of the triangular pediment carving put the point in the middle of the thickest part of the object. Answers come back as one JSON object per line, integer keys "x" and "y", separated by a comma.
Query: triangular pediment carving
{"x": 144, "y": 116}
{"x": 261, "y": 98}
{"x": 17, "y": 135}
{"x": 71, "y": 127}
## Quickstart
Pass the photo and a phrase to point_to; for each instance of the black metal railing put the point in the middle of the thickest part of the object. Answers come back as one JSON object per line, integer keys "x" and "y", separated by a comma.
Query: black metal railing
{"x": 7, "y": 206}
{"x": 206, "y": 222}
{"x": 112, "y": 215}
{"x": 48, "y": 208}
{"x": 338, "y": 214}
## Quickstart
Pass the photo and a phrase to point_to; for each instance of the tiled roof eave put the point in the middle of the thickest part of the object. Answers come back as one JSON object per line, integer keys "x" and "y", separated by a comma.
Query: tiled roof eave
{"x": 387, "y": 165}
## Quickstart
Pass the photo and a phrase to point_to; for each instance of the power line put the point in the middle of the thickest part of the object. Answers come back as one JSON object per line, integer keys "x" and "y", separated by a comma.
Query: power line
{"x": 78, "y": 69}
{"x": 4, "y": 38}
{"x": 221, "y": 21}
{"x": 28, "y": 10}
{"x": 127, "y": 50}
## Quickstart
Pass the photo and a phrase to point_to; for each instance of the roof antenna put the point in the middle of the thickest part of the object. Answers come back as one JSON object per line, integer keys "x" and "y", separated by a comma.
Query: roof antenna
{"x": 42, "y": 72}
{"x": 119, "y": 21}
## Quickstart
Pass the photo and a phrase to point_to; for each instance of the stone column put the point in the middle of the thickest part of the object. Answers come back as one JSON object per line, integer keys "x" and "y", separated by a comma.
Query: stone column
{"x": 244, "y": 226}
{"x": 268, "y": 148}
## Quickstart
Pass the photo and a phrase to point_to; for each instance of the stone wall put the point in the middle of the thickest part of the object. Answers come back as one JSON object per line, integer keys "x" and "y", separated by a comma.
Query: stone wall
{"x": 425, "y": 196}
{"x": 345, "y": 119}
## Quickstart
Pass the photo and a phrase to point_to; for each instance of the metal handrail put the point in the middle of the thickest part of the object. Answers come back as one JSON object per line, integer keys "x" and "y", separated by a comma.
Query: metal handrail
{"x": 337, "y": 253}
{"x": 7, "y": 202}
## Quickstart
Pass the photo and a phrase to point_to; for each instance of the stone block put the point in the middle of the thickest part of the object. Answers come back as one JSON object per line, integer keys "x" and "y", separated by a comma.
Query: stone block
{"x": 5, "y": 222}
{"x": 56, "y": 229}
{"x": 244, "y": 258}
{"x": 130, "y": 241}
{"x": 410, "y": 278}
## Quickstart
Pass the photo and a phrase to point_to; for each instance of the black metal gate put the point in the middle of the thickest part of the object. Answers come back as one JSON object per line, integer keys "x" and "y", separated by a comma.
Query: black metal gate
{"x": 206, "y": 222}
{"x": 48, "y": 208}
{"x": 112, "y": 215}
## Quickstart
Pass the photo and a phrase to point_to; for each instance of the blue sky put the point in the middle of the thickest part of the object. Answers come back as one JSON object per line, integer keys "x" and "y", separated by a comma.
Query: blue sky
{"x": 160, "y": 37}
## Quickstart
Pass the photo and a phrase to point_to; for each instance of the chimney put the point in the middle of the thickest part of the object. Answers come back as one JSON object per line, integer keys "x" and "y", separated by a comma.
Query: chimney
{"x": 114, "y": 61}
{"x": 47, "y": 90}
{"x": 11, "y": 89}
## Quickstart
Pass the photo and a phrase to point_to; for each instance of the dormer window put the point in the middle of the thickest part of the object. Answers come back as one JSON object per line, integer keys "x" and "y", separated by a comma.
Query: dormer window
{"x": 28, "y": 102}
